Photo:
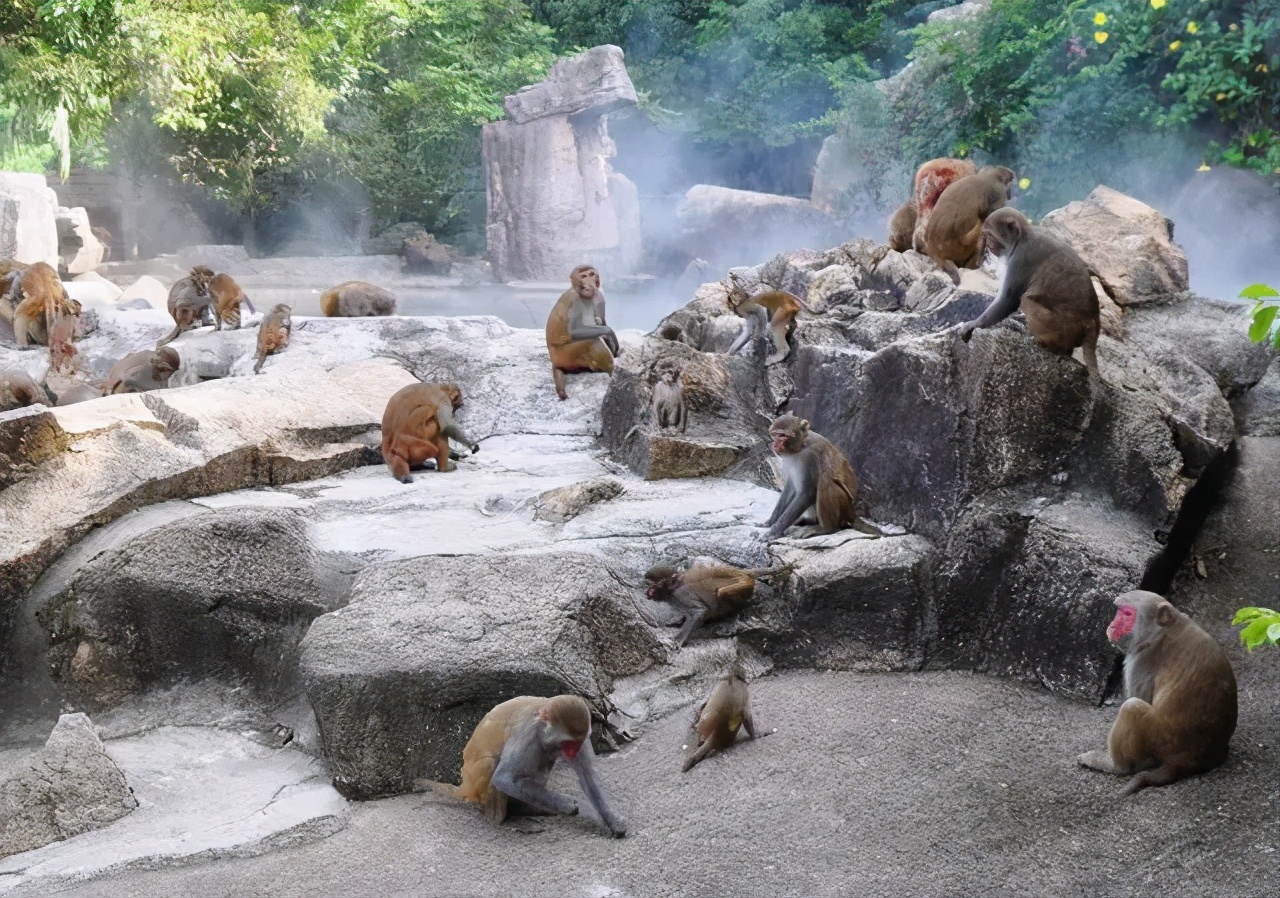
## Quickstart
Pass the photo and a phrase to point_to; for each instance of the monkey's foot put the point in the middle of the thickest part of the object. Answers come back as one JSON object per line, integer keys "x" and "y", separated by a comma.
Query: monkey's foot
{"x": 1097, "y": 760}
{"x": 407, "y": 478}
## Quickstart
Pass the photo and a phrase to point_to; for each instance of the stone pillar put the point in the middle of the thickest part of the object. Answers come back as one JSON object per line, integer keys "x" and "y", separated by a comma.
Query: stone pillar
{"x": 28, "y": 231}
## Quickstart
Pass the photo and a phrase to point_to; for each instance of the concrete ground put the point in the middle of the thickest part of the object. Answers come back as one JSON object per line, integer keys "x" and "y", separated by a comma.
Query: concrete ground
{"x": 877, "y": 786}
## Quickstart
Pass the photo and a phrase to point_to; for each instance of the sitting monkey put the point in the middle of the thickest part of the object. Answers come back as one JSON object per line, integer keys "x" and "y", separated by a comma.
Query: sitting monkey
{"x": 417, "y": 425}
{"x": 574, "y": 344}
{"x": 818, "y": 482}
{"x": 669, "y": 408}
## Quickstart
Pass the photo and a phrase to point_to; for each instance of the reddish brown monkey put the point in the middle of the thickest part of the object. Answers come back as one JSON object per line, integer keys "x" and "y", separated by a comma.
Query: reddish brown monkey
{"x": 902, "y": 227}
{"x": 38, "y": 299}
{"x": 140, "y": 372}
{"x": 777, "y": 308}
{"x": 190, "y": 303}
{"x": 417, "y": 425}
{"x": 719, "y": 718}
{"x": 704, "y": 592}
{"x": 227, "y": 296}
{"x": 578, "y": 338}
{"x": 18, "y": 390}
{"x": 355, "y": 299}
{"x": 1181, "y": 709}
{"x": 273, "y": 333}
{"x": 818, "y": 481}
{"x": 953, "y": 233}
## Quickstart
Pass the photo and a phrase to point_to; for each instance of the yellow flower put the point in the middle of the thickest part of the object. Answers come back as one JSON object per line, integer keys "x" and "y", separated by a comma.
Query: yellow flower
{"x": 1202, "y": 167}
{"x": 1101, "y": 36}
{"x": 1173, "y": 48}
{"x": 1100, "y": 18}
{"x": 1024, "y": 183}
{"x": 1157, "y": 4}
{"x": 1233, "y": 27}
{"x": 1262, "y": 68}
{"x": 1221, "y": 97}
{"x": 1192, "y": 28}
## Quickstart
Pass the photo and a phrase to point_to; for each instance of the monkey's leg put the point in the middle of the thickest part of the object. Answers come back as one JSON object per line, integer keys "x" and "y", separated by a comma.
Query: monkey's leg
{"x": 398, "y": 465}
{"x": 683, "y": 414}
{"x": 781, "y": 348}
{"x": 749, "y": 724}
{"x": 443, "y": 462}
{"x": 705, "y": 750}
{"x": 173, "y": 335}
{"x": 750, "y": 325}
{"x": 1090, "y": 349}
{"x": 691, "y": 621}
{"x": 799, "y": 503}
{"x": 531, "y": 791}
{"x": 1162, "y": 776}
{"x": 558, "y": 376}
{"x": 599, "y": 358}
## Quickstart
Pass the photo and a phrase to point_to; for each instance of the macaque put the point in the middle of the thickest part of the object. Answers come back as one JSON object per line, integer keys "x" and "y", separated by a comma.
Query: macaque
{"x": 141, "y": 372}
{"x": 668, "y": 401}
{"x": 105, "y": 238}
{"x": 719, "y": 718}
{"x": 356, "y": 299}
{"x": 574, "y": 343}
{"x": 506, "y": 762}
{"x": 37, "y": 300}
{"x": 18, "y": 390}
{"x": 953, "y": 235}
{"x": 79, "y": 393}
{"x": 1050, "y": 282}
{"x": 1181, "y": 709}
{"x": 417, "y": 425}
{"x": 9, "y": 271}
{"x": 932, "y": 178}
{"x": 703, "y": 593}
{"x": 273, "y": 333}
{"x": 190, "y": 301}
{"x": 818, "y": 481}
{"x": 902, "y": 227}
{"x": 227, "y": 297}
{"x": 62, "y": 350}
{"x": 776, "y": 307}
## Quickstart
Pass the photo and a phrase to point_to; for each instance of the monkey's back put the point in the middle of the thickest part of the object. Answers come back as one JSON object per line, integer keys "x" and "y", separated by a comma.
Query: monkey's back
{"x": 352, "y": 299}
{"x": 1195, "y": 696}
{"x": 954, "y": 227}
{"x": 724, "y": 713}
{"x": 708, "y": 580}
{"x": 558, "y": 323}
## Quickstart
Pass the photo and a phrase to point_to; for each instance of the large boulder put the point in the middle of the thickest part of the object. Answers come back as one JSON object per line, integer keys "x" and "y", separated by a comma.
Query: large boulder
{"x": 554, "y": 200}
{"x": 69, "y": 787}
{"x": 761, "y": 223}
{"x": 78, "y": 248}
{"x": 28, "y": 225}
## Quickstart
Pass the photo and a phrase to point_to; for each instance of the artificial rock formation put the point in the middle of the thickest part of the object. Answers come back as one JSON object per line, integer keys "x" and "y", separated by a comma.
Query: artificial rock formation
{"x": 78, "y": 248}
{"x": 28, "y": 231}
{"x": 554, "y": 200}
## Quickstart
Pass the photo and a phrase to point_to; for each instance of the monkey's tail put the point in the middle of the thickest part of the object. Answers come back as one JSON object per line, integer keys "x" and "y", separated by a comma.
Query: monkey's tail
{"x": 1090, "y": 350}
{"x": 767, "y": 572}
{"x": 704, "y": 750}
{"x": 444, "y": 790}
{"x": 248, "y": 302}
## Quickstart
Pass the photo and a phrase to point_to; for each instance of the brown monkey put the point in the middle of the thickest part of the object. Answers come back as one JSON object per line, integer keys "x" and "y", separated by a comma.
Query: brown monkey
{"x": 719, "y": 718}
{"x": 38, "y": 300}
{"x": 668, "y": 401}
{"x": 273, "y": 333}
{"x": 704, "y": 592}
{"x": 79, "y": 393}
{"x": 778, "y": 307}
{"x": 62, "y": 350}
{"x": 573, "y": 342}
{"x": 953, "y": 234}
{"x": 227, "y": 296}
{"x": 1181, "y": 709}
{"x": 18, "y": 390}
{"x": 105, "y": 238}
{"x": 417, "y": 425}
{"x": 190, "y": 302}
{"x": 1051, "y": 283}
{"x": 902, "y": 226}
{"x": 141, "y": 372}
{"x": 818, "y": 481}
{"x": 511, "y": 753}
{"x": 9, "y": 271}
{"x": 932, "y": 178}
{"x": 355, "y": 299}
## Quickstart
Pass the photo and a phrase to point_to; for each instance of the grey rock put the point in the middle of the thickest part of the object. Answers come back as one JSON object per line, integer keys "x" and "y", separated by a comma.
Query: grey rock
{"x": 79, "y": 250}
{"x": 28, "y": 226}
{"x": 391, "y": 241}
{"x": 567, "y": 502}
{"x": 593, "y": 81}
{"x": 763, "y": 223}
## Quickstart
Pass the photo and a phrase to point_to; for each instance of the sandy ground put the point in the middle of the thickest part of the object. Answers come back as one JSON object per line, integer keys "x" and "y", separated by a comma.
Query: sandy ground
{"x": 935, "y": 784}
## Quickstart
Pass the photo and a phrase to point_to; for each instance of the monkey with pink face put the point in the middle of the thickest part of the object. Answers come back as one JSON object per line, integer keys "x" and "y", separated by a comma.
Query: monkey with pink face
{"x": 1181, "y": 709}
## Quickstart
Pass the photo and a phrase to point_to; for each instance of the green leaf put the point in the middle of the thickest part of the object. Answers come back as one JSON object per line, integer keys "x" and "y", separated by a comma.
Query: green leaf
{"x": 1258, "y": 291}
{"x": 1246, "y": 614}
{"x": 1273, "y": 634}
{"x": 1262, "y": 321}
{"x": 1255, "y": 634}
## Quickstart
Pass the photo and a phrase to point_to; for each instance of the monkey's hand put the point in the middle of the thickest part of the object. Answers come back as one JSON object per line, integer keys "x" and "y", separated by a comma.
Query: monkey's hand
{"x": 611, "y": 340}
{"x": 475, "y": 447}
{"x": 616, "y": 826}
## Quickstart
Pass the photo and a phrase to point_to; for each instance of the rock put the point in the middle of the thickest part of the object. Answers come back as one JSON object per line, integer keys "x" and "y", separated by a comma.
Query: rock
{"x": 1128, "y": 244}
{"x": 92, "y": 277}
{"x": 229, "y": 258}
{"x": 567, "y": 502}
{"x": 69, "y": 787}
{"x": 595, "y": 81}
{"x": 79, "y": 249}
{"x": 28, "y": 226}
{"x": 834, "y": 172}
{"x": 766, "y": 223}
{"x": 423, "y": 255}
{"x": 145, "y": 292}
{"x": 401, "y": 676}
{"x": 391, "y": 241}
{"x": 93, "y": 295}
{"x": 554, "y": 201}
{"x": 969, "y": 9}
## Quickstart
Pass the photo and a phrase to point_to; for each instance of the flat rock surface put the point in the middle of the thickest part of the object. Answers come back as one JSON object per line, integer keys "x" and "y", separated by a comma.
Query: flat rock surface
{"x": 879, "y": 786}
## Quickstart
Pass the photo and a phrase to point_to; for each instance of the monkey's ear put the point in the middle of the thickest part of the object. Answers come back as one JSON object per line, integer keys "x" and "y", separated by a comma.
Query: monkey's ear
{"x": 1164, "y": 614}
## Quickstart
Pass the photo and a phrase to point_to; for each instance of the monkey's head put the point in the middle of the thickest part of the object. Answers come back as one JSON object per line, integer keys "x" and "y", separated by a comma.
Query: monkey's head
{"x": 164, "y": 363}
{"x": 671, "y": 376}
{"x": 736, "y": 296}
{"x": 1005, "y": 176}
{"x": 662, "y": 580}
{"x": 788, "y": 434}
{"x": 585, "y": 280}
{"x": 568, "y": 723}
{"x": 1004, "y": 229}
{"x": 454, "y": 394}
{"x": 282, "y": 309}
{"x": 1139, "y": 611}
{"x": 200, "y": 278}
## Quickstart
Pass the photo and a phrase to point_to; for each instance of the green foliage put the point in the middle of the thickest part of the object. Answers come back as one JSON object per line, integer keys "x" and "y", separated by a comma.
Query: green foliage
{"x": 1264, "y": 327}
{"x": 1261, "y": 626}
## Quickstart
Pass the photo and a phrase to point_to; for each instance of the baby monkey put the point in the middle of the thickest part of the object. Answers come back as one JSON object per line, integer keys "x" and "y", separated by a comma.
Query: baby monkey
{"x": 719, "y": 718}
{"x": 668, "y": 401}
{"x": 273, "y": 333}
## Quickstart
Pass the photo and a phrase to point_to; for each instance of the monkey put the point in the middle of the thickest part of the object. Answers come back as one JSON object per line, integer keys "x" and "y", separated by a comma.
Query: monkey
{"x": 1051, "y": 283}
{"x": 190, "y": 303}
{"x": 9, "y": 271}
{"x": 355, "y": 299}
{"x": 105, "y": 238}
{"x": 718, "y": 719}
{"x": 141, "y": 372}
{"x": 62, "y": 350}
{"x": 574, "y": 344}
{"x": 79, "y": 393}
{"x": 818, "y": 481}
{"x": 777, "y": 307}
{"x": 273, "y": 333}
{"x": 37, "y": 300}
{"x": 703, "y": 593}
{"x": 902, "y": 226}
{"x": 18, "y": 390}
{"x": 507, "y": 760}
{"x": 668, "y": 401}
{"x": 931, "y": 179}
{"x": 417, "y": 425}
{"x": 1181, "y": 709}
{"x": 953, "y": 234}
{"x": 227, "y": 297}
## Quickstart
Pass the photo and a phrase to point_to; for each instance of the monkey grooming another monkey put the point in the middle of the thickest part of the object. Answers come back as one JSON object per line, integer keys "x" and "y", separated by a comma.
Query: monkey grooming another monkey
{"x": 227, "y": 297}
{"x": 417, "y": 425}
{"x": 511, "y": 753}
{"x": 1181, "y": 709}
{"x": 141, "y": 372}
{"x": 953, "y": 235}
{"x": 357, "y": 299}
{"x": 719, "y": 718}
{"x": 776, "y": 307}
{"x": 932, "y": 178}
{"x": 273, "y": 333}
{"x": 574, "y": 343}
{"x": 1051, "y": 283}
{"x": 190, "y": 303}
{"x": 18, "y": 390}
{"x": 703, "y": 593}
{"x": 668, "y": 401}
{"x": 38, "y": 300}
{"x": 818, "y": 481}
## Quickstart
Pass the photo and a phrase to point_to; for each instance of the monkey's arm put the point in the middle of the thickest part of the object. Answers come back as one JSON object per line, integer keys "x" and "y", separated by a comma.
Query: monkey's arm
{"x": 453, "y": 431}
{"x": 783, "y": 501}
{"x": 751, "y": 324}
{"x": 580, "y": 330}
{"x": 1005, "y": 303}
{"x": 517, "y": 775}
{"x": 683, "y": 414}
{"x": 587, "y": 780}
{"x": 802, "y": 497}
